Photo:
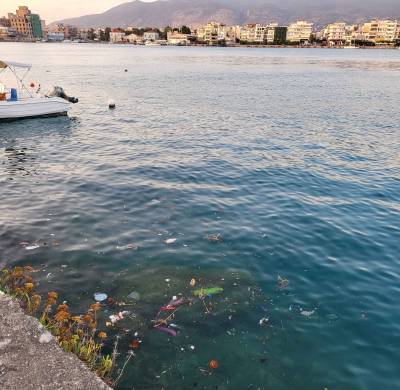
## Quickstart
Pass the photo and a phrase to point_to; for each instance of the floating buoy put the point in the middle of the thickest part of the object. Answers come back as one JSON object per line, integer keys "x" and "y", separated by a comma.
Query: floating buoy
{"x": 32, "y": 85}
{"x": 126, "y": 70}
{"x": 111, "y": 104}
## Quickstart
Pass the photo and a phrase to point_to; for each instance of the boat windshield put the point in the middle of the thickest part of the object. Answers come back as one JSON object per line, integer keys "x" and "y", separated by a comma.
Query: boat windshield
{"x": 12, "y": 77}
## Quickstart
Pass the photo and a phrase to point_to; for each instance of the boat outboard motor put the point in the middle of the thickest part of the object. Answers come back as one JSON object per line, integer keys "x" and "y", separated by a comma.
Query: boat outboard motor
{"x": 59, "y": 92}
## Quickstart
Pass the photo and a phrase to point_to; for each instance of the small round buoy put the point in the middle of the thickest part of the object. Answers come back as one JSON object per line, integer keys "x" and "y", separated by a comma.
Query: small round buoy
{"x": 126, "y": 70}
{"x": 32, "y": 85}
{"x": 111, "y": 104}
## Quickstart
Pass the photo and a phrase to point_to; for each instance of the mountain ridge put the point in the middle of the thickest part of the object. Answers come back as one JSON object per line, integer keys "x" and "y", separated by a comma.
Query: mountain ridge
{"x": 194, "y": 12}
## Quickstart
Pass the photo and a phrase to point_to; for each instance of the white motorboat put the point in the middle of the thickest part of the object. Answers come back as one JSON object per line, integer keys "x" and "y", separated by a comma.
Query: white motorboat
{"x": 20, "y": 102}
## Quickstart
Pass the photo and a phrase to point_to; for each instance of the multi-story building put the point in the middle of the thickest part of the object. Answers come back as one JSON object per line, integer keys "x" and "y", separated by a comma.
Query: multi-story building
{"x": 176, "y": 38}
{"x": 27, "y": 24}
{"x": 252, "y": 33}
{"x": 212, "y": 33}
{"x": 299, "y": 31}
{"x": 257, "y": 33}
{"x": 380, "y": 31}
{"x": 20, "y": 22}
{"x": 36, "y": 24}
{"x": 4, "y": 22}
{"x": 117, "y": 35}
{"x": 70, "y": 32}
{"x": 151, "y": 36}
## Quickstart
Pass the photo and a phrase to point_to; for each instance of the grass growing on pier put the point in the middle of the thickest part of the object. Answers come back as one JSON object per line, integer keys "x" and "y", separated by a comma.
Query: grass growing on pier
{"x": 75, "y": 333}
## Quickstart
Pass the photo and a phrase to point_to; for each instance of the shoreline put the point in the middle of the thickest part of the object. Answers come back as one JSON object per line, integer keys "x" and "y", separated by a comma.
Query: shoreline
{"x": 31, "y": 358}
{"x": 380, "y": 47}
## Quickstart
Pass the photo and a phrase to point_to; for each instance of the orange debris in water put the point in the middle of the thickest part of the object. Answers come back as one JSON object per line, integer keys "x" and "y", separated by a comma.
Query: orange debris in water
{"x": 213, "y": 364}
{"x": 134, "y": 344}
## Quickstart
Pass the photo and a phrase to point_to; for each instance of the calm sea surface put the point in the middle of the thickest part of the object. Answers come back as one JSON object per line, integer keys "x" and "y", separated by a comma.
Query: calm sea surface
{"x": 292, "y": 156}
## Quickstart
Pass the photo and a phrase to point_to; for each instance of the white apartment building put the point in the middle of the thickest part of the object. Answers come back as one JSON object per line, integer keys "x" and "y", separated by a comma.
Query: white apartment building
{"x": 212, "y": 33}
{"x": 117, "y": 36}
{"x": 299, "y": 31}
{"x": 380, "y": 31}
{"x": 151, "y": 36}
{"x": 257, "y": 33}
{"x": 340, "y": 33}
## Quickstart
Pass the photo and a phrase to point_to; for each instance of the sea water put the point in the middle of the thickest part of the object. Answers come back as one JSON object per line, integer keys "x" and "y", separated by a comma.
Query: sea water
{"x": 257, "y": 166}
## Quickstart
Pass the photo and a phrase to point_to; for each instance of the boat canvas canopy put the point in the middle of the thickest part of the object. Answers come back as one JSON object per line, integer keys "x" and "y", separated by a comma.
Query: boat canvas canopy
{"x": 8, "y": 64}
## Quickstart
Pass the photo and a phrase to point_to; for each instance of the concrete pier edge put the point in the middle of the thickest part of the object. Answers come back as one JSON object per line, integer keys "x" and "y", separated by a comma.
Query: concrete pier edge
{"x": 30, "y": 357}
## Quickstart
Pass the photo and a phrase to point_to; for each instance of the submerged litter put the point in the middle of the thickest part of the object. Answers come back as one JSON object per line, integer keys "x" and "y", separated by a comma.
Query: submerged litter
{"x": 165, "y": 329}
{"x": 282, "y": 282}
{"x": 214, "y": 237}
{"x": 306, "y": 313}
{"x": 170, "y": 241}
{"x": 32, "y": 247}
{"x": 193, "y": 282}
{"x": 134, "y": 295}
{"x": 114, "y": 318}
{"x": 213, "y": 364}
{"x": 100, "y": 297}
{"x": 128, "y": 246}
{"x": 203, "y": 292}
{"x": 263, "y": 321}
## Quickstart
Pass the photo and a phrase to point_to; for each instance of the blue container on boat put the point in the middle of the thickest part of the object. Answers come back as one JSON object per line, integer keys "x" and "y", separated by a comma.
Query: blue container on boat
{"x": 14, "y": 95}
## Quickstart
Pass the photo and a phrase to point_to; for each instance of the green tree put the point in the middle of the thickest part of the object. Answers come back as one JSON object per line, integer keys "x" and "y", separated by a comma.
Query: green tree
{"x": 185, "y": 30}
{"x": 107, "y": 33}
{"x": 91, "y": 35}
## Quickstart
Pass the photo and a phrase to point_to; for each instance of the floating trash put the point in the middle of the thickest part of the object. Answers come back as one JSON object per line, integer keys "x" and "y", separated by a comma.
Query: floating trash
{"x": 263, "y": 321}
{"x": 128, "y": 246}
{"x": 282, "y": 282}
{"x": 100, "y": 297}
{"x": 214, "y": 237}
{"x": 203, "y": 292}
{"x": 134, "y": 344}
{"x": 32, "y": 247}
{"x": 165, "y": 329}
{"x": 306, "y": 313}
{"x": 170, "y": 241}
{"x": 114, "y": 318}
{"x": 174, "y": 304}
{"x": 134, "y": 295}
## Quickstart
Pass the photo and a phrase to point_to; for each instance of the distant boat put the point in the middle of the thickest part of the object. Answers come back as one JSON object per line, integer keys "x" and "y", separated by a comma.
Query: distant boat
{"x": 350, "y": 47}
{"x": 20, "y": 102}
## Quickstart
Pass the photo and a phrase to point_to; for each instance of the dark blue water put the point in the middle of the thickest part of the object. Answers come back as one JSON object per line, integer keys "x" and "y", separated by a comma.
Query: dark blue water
{"x": 292, "y": 156}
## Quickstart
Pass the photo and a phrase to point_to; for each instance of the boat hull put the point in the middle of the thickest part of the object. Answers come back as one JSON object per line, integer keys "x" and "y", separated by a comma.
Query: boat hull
{"x": 33, "y": 108}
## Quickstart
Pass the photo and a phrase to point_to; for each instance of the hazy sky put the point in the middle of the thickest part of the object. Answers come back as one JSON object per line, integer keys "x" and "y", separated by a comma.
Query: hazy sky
{"x": 52, "y": 10}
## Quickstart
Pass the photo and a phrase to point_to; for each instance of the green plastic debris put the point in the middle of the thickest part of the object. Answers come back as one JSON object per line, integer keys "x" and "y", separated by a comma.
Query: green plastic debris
{"x": 203, "y": 292}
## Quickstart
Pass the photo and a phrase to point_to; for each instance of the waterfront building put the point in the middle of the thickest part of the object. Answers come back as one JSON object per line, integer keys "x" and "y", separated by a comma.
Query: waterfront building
{"x": 340, "y": 33}
{"x": 55, "y": 36}
{"x": 20, "y": 22}
{"x": 299, "y": 31}
{"x": 252, "y": 33}
{"x": 134, "y": 38}
{"x": 176, "y": 38}
{"x": 380, "y": 31}
{"x": 211, "y": 33}
{"x": 7, "y": 33}
{"x": 37, "y": 31}
{"x": 69, "y": 32}
{"x": 151, "y": 36}
{"x": 117, "y": 35}
{"x": 4, "y": 22}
